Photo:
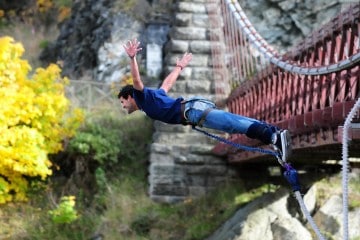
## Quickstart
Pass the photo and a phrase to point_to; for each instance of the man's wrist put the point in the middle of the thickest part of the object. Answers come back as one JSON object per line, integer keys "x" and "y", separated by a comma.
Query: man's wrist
{"x": 181, "y": 67}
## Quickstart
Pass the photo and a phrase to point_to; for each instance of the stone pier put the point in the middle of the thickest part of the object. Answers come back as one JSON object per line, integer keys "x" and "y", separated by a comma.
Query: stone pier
{"x": 181, "y": 162}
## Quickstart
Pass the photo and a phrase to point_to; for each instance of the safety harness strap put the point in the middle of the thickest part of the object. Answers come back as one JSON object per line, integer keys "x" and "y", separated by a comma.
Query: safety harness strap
{"x": 203, "y": 116}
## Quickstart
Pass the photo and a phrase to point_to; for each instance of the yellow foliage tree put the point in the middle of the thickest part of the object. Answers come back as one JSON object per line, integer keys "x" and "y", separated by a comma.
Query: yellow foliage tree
{"x": 35, "y": 117}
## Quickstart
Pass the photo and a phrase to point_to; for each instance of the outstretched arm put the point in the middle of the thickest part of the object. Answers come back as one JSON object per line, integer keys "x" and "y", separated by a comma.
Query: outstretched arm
{"x": 170, "y": 80}
{"x": 132, "y": 48}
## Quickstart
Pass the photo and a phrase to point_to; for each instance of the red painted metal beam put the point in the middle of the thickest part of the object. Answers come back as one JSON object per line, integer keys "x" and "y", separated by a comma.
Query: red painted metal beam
{"x": 353, "y": 134}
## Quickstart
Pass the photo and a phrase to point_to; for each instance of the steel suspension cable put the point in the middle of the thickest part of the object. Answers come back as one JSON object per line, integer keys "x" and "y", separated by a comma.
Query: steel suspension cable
{"x": 263, "y": 47}
{"x": 345, "y": 168}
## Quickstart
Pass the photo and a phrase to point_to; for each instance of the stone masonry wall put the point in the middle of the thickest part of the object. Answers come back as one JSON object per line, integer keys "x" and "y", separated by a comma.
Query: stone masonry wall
{"x": 181, "y": 163}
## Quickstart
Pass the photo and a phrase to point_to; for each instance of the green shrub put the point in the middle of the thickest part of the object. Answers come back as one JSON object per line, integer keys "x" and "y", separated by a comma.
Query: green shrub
{"x": 65, "y": 212}
{"x": 112, "y": 140}
{"x": 97, "y": 142}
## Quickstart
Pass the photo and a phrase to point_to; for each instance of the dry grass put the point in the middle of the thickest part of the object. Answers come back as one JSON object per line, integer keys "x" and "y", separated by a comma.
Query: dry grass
{"x": 11, "y": 219}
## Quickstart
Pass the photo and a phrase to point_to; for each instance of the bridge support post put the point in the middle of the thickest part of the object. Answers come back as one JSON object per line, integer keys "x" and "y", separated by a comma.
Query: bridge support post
{"x": 182, "y": 164}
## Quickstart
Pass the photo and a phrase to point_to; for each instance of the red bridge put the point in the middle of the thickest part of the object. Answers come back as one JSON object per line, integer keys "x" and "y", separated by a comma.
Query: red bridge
{"x": 309, "y": 90}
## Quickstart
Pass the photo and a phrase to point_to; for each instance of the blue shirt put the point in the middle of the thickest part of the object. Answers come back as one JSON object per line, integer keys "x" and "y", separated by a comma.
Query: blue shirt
{"x": 159, "y": 106}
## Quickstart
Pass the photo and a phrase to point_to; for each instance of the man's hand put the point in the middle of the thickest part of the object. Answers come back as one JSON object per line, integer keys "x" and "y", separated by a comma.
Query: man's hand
{"x": 132, "y": 47}
{"x": 184, "y": 61}
{"x": 170, "y": 80}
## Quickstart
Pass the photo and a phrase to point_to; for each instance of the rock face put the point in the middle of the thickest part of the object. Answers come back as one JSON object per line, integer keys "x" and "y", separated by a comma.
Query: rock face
{"x": 277, "y": 216}
{"x": 81, "y": 37}
{"x": 258, "y": 219}
{"x": 284, "y": 23}
{"x": 112, "y": 61}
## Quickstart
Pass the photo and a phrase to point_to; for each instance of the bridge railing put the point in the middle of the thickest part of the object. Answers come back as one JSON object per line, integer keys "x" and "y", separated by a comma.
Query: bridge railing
{"x": 310, "y": 106}
{"x": 92, "y": 95}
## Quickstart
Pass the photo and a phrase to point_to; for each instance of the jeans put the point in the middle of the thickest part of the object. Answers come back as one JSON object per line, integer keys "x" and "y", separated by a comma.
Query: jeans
{"x": 217, "y": 119}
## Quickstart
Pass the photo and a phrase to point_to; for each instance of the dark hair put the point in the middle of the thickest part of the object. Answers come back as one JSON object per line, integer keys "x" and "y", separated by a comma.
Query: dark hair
{"x": 126, "y": 91}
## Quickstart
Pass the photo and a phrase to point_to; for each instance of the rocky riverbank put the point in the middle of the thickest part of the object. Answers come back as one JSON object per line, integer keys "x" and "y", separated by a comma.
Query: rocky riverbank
{"x": 277, "y": 215}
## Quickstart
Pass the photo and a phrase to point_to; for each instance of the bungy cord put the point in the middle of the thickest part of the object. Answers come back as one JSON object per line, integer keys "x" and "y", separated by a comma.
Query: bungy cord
{"x": 292, "y": 177}
{"x": 345, "y": 168}
{"x": 308, "y": 216}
